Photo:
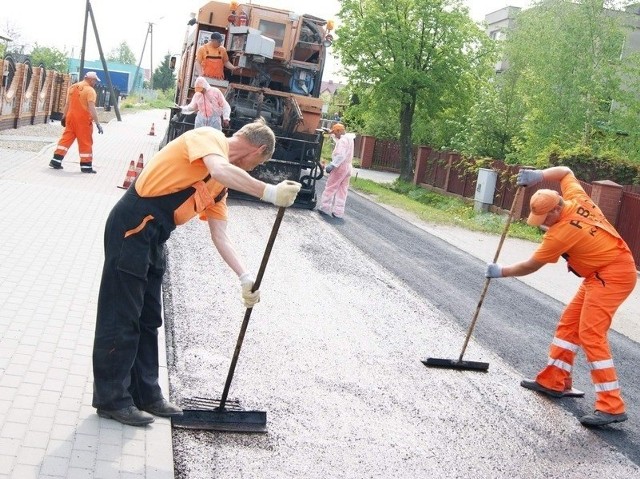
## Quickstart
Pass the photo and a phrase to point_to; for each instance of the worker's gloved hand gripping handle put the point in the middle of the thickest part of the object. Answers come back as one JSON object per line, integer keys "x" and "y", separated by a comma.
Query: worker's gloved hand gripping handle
{"x": 494, "y": 270}
{"x": 249, "y": 297}
{"x": 529, "y": 177}
{"x": 283, "y": 194}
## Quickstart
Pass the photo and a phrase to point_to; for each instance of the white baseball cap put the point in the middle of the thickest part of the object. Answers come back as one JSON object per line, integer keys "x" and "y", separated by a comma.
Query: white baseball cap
{"x": 93, "y": 75}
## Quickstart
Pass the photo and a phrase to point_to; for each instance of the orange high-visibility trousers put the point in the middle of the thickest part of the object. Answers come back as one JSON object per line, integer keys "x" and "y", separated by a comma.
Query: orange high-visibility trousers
{"x": 585, "y": 323}
{"x": 80, "y": 129}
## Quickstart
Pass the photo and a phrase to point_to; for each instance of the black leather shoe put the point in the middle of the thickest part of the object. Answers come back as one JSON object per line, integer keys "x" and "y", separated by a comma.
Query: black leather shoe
{"x": 131, "y": 416}
{"x": 163, "y": 408}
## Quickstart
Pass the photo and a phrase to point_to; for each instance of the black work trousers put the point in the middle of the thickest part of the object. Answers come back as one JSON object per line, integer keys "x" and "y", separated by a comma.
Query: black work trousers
{"x": 125, "y": 351}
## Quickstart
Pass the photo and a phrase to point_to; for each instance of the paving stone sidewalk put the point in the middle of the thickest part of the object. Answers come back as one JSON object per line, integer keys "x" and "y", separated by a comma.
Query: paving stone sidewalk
{"x": 50, "y": 264}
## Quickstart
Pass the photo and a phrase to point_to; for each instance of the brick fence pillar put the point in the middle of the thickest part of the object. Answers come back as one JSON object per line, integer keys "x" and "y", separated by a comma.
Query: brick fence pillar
{"x": 422, "y": 158}
{"x": 366, "y": 152}
{"x": 607, "y": 195}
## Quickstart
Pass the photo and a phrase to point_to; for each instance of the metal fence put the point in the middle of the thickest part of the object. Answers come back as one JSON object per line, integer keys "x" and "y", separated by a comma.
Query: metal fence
{"x": 450, "y": 173}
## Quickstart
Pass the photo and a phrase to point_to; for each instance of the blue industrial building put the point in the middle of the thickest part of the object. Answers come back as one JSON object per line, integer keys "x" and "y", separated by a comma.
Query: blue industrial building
{"x": 122, "y": 75}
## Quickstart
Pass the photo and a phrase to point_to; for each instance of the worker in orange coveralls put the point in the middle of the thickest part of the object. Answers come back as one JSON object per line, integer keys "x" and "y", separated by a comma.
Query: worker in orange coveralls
{"x": 577, "y": 230}
{"x": 335, "y": 192}
{"x": 213, "y": 57}
{"x": 79, "y": 112}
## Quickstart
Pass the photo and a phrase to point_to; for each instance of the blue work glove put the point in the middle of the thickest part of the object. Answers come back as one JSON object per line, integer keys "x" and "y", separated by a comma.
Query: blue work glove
{"x": 329, "y": 168}
{"x": 494, "y": 270}
{"x": 529, "y": 177}
{"x": 99, "y": 127}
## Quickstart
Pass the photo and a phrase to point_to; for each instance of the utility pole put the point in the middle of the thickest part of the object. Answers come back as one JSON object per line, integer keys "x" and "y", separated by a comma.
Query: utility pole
{"x": 144, "y": 45}
{"x": 112, "y": 96}
{"x": 148, "y": 36}
{"x": 151, "y": 56}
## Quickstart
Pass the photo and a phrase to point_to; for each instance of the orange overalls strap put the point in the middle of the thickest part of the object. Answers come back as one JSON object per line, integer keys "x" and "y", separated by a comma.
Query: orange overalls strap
{"x": 586, "y": 213}
{"x": 213, "y": 64}
{"x": 77, "y": 108}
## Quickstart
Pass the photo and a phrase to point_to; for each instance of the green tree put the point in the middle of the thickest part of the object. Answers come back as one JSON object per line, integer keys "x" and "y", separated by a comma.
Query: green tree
{"x": 493, "y": 122}
{"x": 122, "y": 54}
{"x": 51, "y": 58}
{"x": 569, "y": 78}
{"x": 163, "y": 77}
{"x": 411, "y": 55}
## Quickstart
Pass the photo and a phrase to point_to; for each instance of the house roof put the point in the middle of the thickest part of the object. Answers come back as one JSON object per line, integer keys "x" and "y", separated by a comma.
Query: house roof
{"x": 330, "y": 86}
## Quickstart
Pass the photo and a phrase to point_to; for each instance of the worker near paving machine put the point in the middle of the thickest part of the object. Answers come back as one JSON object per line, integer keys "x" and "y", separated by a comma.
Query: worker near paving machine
{"x": 334, "y": 196}
{"x": 577, "y": 230}
{"x": 188, "y": 177}
{"x": 213, "y": 57}
{"x": 210, "y": 104}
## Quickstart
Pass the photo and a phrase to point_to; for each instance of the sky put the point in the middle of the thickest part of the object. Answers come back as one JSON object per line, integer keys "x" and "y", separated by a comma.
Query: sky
{"x": 46, "y": 23}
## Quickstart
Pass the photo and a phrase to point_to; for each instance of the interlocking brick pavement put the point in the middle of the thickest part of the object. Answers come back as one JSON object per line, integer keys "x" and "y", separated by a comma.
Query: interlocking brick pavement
{"x": 50, "y": 264}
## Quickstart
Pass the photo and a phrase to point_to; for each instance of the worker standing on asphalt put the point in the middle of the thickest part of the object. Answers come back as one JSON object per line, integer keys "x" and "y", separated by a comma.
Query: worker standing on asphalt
{"x": 79, "y": 112}
{"x": 188, "y": 177}
{"x": 211, "y": 105}
{"x": 213, "y": 57}
{"x": 334, "y": 196}
{"x": 577, "y": 230}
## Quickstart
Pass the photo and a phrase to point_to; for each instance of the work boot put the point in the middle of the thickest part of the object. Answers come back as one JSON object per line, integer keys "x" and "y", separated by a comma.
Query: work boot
{"x": 601, "y": 418}
{"x": 131, "y": 416}
{"x": 55, "y": 164}
{"x": 83, "y": 170}
{"x": 535, "y": 386}
{"x": 163, "y": 408}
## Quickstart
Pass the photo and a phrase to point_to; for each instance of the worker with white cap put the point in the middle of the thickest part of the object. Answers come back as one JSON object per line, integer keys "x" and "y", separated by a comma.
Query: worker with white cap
{"x": 77, "y": 119}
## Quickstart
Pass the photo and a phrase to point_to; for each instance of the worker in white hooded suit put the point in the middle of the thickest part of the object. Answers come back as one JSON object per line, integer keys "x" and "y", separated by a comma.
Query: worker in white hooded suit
{"x": 335, "y": 193}
{"x": 211, "y": 105}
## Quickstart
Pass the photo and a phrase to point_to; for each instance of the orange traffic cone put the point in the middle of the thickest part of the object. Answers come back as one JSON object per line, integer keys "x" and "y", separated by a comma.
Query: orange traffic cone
{"x": 131, "y": 176}
{"x": 153, "y": 130}
{"x": 139, "y": 165}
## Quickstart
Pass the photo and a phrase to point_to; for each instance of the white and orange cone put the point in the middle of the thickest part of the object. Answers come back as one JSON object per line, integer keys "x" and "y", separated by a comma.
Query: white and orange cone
{"x": 131, "y": 176}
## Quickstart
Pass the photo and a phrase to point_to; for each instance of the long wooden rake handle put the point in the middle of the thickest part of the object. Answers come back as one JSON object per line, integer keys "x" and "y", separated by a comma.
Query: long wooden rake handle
{"x": 247, "y": 314}
{"x": 488, "y": 280}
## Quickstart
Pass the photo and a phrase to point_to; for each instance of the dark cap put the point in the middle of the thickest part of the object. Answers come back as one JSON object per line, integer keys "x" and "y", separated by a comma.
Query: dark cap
{"x": 216, "y": 36}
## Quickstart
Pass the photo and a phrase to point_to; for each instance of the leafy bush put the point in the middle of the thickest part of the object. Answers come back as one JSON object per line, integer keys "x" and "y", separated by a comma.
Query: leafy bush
{"x": 590, "y": 167}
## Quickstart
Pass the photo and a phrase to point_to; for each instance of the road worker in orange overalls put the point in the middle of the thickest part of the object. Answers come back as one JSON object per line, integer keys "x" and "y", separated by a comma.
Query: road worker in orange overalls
{"x": 189, "y": 177}
{"x": 577, "y": 230}
{"x": 213, "y": 57}
{"x": 77, "y": 119}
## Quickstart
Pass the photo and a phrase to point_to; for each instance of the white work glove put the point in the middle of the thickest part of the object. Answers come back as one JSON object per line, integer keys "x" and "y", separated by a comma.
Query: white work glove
{"x": 282, "y": 194}
{"x": 494, "y": 270}
{"x": 99, "y": 127}
{"x": 249, "y": 298}
{"x": 529, "y": 177}
{"x": 329, "y": 168}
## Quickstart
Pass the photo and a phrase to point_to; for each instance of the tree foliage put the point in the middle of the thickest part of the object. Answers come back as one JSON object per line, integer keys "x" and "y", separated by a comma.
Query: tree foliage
{"x": 51, "y": 58}
{"x": 569, "y": 83}
{"x": 408, "y": 56}
{"x": 122, "y": 54}
{"x": 163, "y": 77}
